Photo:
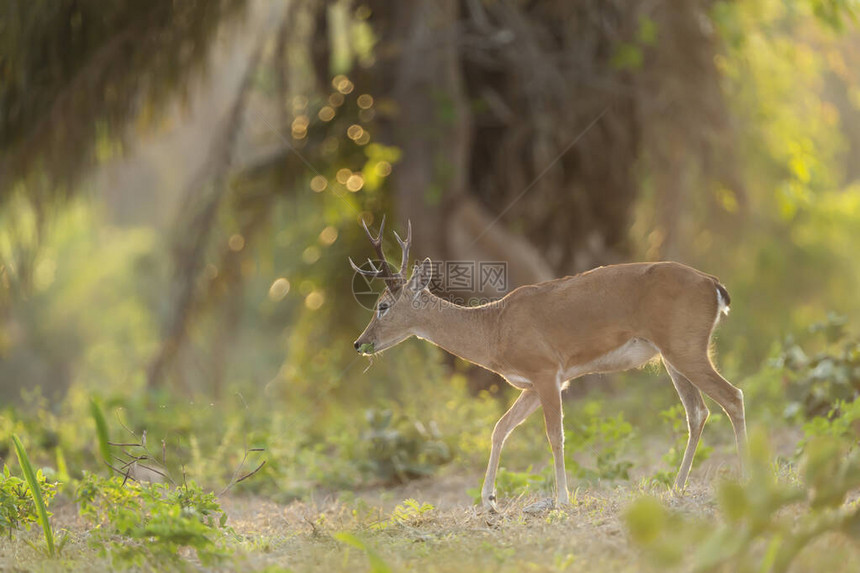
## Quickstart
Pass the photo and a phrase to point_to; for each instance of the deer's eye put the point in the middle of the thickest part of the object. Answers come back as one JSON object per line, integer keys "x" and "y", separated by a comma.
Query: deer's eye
{"x": 382, "y": 309}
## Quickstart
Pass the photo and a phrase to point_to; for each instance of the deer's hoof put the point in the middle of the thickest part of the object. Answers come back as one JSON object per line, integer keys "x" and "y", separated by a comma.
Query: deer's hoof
{"x": 489, "y": 503}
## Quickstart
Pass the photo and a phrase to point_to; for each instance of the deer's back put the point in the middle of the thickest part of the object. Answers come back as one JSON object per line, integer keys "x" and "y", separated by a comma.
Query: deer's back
{"x": 577, "y": 319}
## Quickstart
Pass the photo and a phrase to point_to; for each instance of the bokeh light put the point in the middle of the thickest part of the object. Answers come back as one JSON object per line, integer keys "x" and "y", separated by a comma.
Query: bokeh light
{"x": 236, "y": 242}
{"x": 355, "y": 182}
{"x": 328, "y": 236}
{"x": 319, "y": 183}
{"x": 326, "y": 113}
{"x": 315, "y": 300}
{"x": 342, "y": 175}
{"x": 279, "y": 289}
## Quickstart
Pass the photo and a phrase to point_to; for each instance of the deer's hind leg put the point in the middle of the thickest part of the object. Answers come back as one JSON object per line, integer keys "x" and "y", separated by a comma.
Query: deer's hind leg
{"x": 697, "y": 368}
{"x": 697, "y": 414}
{"x": 549, "y": 391}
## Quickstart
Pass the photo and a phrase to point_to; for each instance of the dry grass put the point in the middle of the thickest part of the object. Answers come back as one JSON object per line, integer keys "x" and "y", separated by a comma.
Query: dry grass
{"x": 454, "y": 536}
{"x": 458, "y": 536}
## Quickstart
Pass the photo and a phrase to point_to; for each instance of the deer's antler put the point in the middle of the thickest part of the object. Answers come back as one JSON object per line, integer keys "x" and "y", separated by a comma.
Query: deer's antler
{"x": 386, "y": 272}
{"x": 404, "y": 247}
{"x": 392, "y": 279}
{"x": 373, "y": 272}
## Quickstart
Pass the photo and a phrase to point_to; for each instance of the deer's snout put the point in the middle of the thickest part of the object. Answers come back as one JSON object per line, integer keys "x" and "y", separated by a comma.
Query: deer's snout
{"x": 363, "y": 347}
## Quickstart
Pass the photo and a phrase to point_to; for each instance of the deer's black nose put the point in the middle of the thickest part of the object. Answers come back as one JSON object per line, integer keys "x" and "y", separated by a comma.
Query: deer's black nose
{"x": 356, "y": 345}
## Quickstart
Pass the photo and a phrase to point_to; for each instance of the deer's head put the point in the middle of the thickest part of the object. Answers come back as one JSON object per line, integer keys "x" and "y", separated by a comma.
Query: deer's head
{"x": 396, "y": 313}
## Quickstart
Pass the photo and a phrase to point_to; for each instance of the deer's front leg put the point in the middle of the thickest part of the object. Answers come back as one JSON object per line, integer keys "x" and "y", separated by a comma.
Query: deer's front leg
{"x": 527, "y": 403}
{"x": 550, "y": 399}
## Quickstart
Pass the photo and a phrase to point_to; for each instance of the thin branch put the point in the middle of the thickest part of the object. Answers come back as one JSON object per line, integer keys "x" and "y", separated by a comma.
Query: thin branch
{"x": 247, "y": 475}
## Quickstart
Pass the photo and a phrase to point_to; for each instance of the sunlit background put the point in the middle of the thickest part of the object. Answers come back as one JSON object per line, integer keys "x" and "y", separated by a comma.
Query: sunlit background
{"x": 182, "y": 183}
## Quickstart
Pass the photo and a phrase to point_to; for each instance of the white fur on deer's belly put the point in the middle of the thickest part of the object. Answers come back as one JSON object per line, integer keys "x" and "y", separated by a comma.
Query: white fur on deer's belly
{"x": 632, "y": 354}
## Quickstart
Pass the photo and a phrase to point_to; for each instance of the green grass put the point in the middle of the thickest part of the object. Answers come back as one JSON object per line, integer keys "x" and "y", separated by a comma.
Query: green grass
{"x": 36, "y": 492}
{"x": 101, "y": 430}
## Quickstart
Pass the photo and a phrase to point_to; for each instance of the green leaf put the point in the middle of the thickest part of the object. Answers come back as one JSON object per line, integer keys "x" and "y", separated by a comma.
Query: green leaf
{"x": 720, "y": 547}
{"x": 733, "y": 500}
{"x": 377, "y": 564}
{"x": 101, "y": 429}
{"x": 647, "y": 34}
{"x": 36, "y": 492}
{"x": 627, "y": 57}
{"x": 646, "y": 518}
{"x": 821, "y": 463}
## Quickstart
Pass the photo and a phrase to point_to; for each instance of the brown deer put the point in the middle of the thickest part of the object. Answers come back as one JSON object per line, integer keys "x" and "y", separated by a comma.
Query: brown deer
{"x": 540, "y": 337}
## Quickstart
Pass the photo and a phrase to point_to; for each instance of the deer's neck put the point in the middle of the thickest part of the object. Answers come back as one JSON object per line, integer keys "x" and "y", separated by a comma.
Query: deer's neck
{"x": 467, "y": 332}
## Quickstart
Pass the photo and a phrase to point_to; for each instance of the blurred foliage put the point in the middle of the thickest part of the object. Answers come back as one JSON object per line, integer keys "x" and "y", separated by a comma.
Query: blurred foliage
{"x": 73, "y": 73}
{"x": 782, "y": 238}
{"x": 605, "y": 438}
{"x": 826, "y": 373}
{"x": 409, "y": 513}
{"x": 102, "y": 434}
{"x": 398, "y": 449}
{"x": 765, "y": 522}
{"x": 302, "y": 448}
{"x": 377, "y": 563}
{"x": 842, "y": 421}
{"x": 55, "y": 333}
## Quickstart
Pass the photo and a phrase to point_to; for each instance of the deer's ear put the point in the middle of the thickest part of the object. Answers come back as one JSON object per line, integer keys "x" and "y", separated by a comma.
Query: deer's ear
{"x": 421, "y": 276}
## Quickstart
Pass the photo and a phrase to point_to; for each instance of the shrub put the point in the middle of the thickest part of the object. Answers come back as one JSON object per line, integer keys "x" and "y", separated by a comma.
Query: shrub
{"x": 410, "y": 512}
{"x": 766, "y": 522}
{"x": 816, "y": 380}
{"x": 398, "y": 448}
{"x": 17, "y": 508}
{"x": 842, "y": 421}
{"x": 149, "y": 523}
{"x": 603, "y": 436}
